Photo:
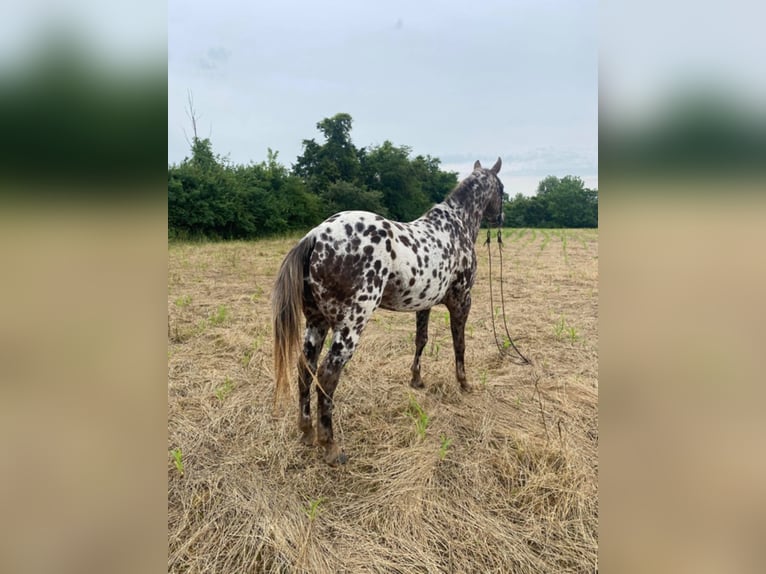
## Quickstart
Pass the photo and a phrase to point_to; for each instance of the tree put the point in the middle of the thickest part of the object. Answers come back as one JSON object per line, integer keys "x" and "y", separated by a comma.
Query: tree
{"x": 564, "y": 202}
{"x": 435, "y": 183}
{"x": 568, "y": 203}
{"x": 337, "y": 159}
{"x": 388, "y": 169}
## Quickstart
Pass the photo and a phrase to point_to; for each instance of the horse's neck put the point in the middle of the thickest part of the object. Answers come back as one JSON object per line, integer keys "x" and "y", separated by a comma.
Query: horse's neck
{"x": 469, "y": 208}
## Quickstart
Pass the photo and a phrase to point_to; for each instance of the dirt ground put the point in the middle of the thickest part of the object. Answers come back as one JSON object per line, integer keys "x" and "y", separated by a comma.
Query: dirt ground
{"x": 504, "y": 479}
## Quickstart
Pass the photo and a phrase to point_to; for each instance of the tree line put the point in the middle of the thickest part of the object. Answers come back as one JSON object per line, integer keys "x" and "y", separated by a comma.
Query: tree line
{"x": 210, "y": 197}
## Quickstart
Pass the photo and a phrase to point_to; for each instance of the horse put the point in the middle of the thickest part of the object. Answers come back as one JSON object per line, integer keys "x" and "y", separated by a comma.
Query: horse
{"x": 357, "y": 261}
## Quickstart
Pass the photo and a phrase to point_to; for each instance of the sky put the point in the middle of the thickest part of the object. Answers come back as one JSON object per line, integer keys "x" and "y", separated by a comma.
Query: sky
{"x": 455, "y": 80}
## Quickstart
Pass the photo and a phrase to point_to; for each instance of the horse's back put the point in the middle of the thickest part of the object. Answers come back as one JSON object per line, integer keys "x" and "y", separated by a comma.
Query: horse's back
{"x": 363, "y": 260}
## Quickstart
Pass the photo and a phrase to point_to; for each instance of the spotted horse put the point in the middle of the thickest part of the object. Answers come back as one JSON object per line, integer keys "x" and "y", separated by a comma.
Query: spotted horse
{"x": 356, "y": 261}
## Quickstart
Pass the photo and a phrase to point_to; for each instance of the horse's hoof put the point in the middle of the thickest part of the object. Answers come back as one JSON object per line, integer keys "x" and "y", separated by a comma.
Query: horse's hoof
{"x": 416, "y": 384}
{"x": 335, "y": 460}
{"x": 466, "y": 388}
{"x": 333, "y": 456}
{"x": 308, "y": 438}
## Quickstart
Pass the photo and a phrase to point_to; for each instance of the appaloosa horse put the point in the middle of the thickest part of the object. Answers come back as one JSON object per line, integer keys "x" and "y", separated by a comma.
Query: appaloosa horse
{"x": 356, "y": 261}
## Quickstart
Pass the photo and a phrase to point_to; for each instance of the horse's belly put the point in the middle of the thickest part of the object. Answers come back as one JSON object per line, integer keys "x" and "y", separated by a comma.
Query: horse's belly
{"x": 408, "y": 292}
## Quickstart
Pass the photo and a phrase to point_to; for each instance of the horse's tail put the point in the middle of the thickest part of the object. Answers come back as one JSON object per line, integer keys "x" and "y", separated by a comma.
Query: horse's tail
{"x": 287, "y": 306}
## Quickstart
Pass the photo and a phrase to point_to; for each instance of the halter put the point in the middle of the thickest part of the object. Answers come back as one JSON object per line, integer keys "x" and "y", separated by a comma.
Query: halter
{"x": 501, "y": 348}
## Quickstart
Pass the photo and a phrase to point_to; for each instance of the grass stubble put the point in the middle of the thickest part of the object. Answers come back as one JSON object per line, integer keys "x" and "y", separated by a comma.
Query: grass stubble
{"x": 515, "y": 491}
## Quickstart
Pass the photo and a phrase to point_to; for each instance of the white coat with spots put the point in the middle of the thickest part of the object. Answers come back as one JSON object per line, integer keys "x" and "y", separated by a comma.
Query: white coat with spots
{"x": 355, "y": 262}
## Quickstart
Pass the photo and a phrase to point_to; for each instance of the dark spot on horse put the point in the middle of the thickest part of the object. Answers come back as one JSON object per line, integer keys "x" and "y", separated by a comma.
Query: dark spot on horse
{"x": 404, "y": 241}
{"x": 393, "y": 254}
{"x": 362, "y": 298}
{"x": 368, "y": 249}
{"x": 375, "y": 238}
{"x": 433, "y": 272}
{"x": 412, "y": 281}
{"x": 377, "y": 265}
{"x": 359, "y": 226}
{"x": 386, "y": 225}
{"x": 349, "y": 229}
{"x": 407, "y": 301}
{"x": 388, "y": 245}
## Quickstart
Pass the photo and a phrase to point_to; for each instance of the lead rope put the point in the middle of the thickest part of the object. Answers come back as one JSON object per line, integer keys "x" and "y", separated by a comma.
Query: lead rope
{"x": 501, "y": 348}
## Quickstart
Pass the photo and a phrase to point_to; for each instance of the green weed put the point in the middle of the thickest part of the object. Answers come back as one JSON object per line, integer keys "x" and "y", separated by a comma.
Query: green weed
{"x": 419, "y": 416}
{"x": 445, "y": 444}
{"x": 220, "y": 316}
{"x": 223, "y": 390}
{"x": 564, "y": 331}
{"x": 184, "y": 301}
{"x": 178, "y": 460}
{"x": 313, "y": 510}
{"x": 558, "y": 329}
{"x": 546, "y": 239}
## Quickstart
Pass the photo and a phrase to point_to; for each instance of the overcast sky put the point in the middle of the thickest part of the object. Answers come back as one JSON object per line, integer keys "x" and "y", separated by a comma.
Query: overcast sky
{"x": 458, "y": 80}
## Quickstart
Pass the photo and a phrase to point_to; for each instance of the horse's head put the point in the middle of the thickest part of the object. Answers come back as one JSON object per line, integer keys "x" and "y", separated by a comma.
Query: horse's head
{"x": 493, "y": 212}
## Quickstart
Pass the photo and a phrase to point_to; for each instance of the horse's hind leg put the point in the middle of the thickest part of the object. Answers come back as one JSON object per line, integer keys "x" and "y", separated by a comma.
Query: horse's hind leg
{"x": 421, "y": 338}
{"x": 316, "y": 331}
{"x": 344, "y": 342}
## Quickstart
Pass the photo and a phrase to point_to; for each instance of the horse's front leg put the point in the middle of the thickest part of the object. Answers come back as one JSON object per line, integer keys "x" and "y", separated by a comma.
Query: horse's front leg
{"x": 458, "y": 315}
{"x": 421, "y": 338}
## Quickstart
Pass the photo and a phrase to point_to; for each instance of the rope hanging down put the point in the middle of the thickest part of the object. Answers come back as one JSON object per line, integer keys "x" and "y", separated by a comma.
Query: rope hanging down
{"x": 501, "y": 347}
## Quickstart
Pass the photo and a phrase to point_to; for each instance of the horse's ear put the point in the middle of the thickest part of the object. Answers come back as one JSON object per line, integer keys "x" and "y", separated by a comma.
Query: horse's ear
{"x": 496, "y": 168}
{"x": 477, "y": 165}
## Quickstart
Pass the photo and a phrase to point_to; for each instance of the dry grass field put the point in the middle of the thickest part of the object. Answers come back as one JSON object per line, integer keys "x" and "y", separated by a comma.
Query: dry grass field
{"x": 504, "y": 479}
